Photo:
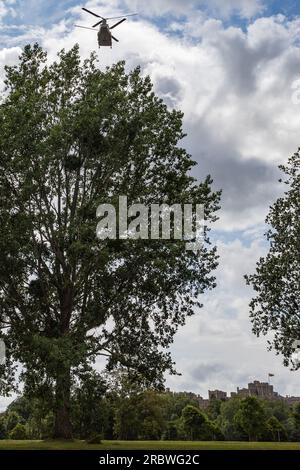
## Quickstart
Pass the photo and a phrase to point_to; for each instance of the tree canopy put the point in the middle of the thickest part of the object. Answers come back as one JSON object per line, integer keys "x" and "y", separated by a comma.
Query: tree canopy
{"x": 276, "y": 307}
{"x": 73, "y": 137}
{"x": 251, "y": 417}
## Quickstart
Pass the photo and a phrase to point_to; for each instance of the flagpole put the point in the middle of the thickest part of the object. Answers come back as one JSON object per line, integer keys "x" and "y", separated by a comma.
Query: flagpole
{"x": 269, "y": 377}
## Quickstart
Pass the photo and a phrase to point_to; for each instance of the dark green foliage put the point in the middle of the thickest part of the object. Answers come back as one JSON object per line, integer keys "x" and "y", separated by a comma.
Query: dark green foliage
{"x": 22, "y": 406}
{"x": 251, "y": 418}
{"x": 152, "y": 410}
{"x": 275, "y": 430}
{"x": 196, "y": 424}
{"x": 229, "y": 426}
{"x": 276, "y": 307}
{"x": 214, "y": 409}
{"x": 89, "y": 407}
{"x": 127, "y": 420}
{"x": 176, "y": 402}
{"x": 73, "y": 137}
{"x": 95, "y": 439}
{"x": 12, "y": 419}
{"x": 132, "y": 413}
{"x": 39, "y": 421}
{"x": 296, "y": 417}
{"x": 214, "y": 433}
{"x": 292, "y": 431}
{"x": 171, "y": 432}
{"x": 277, "y": 408}
{"x": 2, "y": 427}
{"x": 18, "y": 433}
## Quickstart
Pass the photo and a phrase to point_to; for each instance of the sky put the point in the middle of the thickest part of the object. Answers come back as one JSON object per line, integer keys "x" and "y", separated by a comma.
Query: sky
{"x": 232, "y": 67}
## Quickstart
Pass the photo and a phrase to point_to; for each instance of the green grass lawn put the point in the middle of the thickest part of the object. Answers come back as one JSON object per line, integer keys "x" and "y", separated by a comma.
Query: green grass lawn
{"x": 147, "y": 445}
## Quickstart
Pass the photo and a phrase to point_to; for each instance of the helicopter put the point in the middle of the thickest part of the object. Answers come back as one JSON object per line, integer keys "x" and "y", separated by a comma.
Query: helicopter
{"x": 105, "y": 36}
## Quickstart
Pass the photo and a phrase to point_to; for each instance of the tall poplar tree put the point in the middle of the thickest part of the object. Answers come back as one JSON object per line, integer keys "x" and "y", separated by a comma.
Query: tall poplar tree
{"x": 73, "y": 137}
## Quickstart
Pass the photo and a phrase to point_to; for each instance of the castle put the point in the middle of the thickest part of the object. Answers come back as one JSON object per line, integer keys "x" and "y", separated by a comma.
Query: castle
{"x": 257, "y": 389}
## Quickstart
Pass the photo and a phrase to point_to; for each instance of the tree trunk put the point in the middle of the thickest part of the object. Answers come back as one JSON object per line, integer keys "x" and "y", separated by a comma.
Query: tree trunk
{"x": 63, "y": 426}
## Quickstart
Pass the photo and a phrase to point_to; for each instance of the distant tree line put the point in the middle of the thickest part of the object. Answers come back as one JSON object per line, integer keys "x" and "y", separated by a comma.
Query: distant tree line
{"x": 132, "y": 413}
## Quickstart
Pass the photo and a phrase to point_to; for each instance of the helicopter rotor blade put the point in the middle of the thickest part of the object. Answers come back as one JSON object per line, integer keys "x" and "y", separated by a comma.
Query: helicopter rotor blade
{"x": 115, "y": 39}
{"x": 124, "y": 16}
{"x": 97, "y": 24}
{"x": 91, "y": 13}
{"x": 117, "y": 24}
{"x": 84, "y": 27}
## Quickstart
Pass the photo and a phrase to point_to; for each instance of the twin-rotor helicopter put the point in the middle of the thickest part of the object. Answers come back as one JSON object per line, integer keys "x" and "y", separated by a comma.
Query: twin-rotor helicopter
{"x": 105, "y": 36}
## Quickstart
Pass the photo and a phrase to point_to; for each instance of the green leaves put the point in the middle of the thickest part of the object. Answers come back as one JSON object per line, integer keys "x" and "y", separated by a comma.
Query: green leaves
{"x": 276, "y": 307}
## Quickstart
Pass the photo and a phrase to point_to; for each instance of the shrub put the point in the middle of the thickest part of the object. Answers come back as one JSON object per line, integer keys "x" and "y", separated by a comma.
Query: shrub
{"x": 18, "y": 433}
{"x": 95, "y": 439}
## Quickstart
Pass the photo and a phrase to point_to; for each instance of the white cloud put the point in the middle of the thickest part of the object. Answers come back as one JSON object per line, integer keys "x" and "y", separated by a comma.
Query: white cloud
{"x": 6, "y": 7}
{"x": 243, "y": 8}
{"x": 222, "y": 351}
{"x": 223, "y": 8}
{"x": 3, "y": 10}
{"x": 8, "y": 56}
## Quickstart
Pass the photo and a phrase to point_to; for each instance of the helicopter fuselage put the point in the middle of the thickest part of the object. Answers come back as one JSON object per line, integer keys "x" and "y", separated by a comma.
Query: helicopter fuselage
{"x": 104, "y": 35}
